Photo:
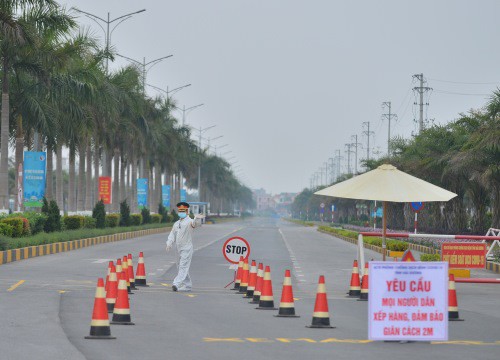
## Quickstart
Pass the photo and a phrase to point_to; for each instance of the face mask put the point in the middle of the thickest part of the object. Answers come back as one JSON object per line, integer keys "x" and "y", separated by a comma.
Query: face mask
{"x": 182, "y": 215}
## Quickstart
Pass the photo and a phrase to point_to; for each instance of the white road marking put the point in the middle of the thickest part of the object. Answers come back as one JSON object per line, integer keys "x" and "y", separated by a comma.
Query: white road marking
{"x": 100, "y": 261}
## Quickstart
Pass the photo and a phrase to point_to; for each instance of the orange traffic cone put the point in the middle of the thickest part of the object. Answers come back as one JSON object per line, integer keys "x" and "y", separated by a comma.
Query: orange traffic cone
{"x": 266, "y": 301}
{"x": 354, "y": 287}
{"x": 287, "y": 306}
{"x": 140, "y": 275}
{"x": 452, "y": 300}
{"x": 258, "y": 284}
{"x": 238, "y": 275}
{"x": 125, "y": 270}
{"x": 107, "y": 276}
{"x": 252, "y": 280}
{"x": 321, "y": 319}
{"x": 118, "y": 268}
{"x": 244, "y": 278}
{"x": 363, "y": 296}
{"x": 112, "y": 291}
{"x": 99, "y": 325}
{"x": 131, "y": 272}
{"x": 121, "y": 312}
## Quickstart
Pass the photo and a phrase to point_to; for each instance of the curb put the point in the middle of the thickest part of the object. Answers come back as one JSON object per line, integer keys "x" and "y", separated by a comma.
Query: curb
{"x": 492, "y": 266}
{"x": 8, "y": 256}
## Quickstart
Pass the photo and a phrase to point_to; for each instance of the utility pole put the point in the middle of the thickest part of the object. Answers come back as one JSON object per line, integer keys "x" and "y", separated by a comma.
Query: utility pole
{"x": 368, "y": 133}
{"x": 332, "y": 170}
{"x": 389, "y": 116}
{"x": 338, "y": 158}
{"x": 355, "y": 144}
{"x": 348, "y": 151}
{"x": 421, "y": 90}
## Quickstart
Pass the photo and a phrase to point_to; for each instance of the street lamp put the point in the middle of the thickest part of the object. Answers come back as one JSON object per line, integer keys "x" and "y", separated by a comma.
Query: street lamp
{"x": 219, "y": 147}
{"x": 168, "y": 92}
{"x": 108, "y": 22}
{"x": 212, "y": 139}
{"x": 199, "y": 159}
{"x": 186, "y": 111}
{"x": 144, "y": 66}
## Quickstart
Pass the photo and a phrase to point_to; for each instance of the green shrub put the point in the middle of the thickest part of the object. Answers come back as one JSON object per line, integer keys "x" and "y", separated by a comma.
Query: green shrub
{"x": 124, "y": 213}
{"x": 6, "y": 229}
{"x": 112, "y": 220}
{"x": 135, "y": 219}
{"x": 53, "y": 221}
{"x": 43, "y": 238}
{"x": 73, "y": 222}
{"x": 4, "y": 242}
{"x": 17, "y": 225}
{"x": 430, "y": 257}
{"x": 36, "y": 220}
{"x": 89, "y": 222}
{"x": 166, "y": 218}
{"x": 26, "y": 227}
{"x": 99, "y": 214}
{"x": 156, "y": 218}
{"x": 146, "y": 215}
{"x": 174, "y": 215}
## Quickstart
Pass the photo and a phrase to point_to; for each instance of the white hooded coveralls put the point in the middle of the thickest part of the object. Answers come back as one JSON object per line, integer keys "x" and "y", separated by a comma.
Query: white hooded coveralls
{"x": 182, "y": 235}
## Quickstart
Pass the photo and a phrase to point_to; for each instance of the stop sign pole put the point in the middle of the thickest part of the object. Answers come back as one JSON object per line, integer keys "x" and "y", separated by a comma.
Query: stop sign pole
{"x": 234, "y": 248}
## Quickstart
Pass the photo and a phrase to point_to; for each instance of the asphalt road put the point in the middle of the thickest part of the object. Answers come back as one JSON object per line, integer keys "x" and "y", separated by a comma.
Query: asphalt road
{"x": 48, "y": 315}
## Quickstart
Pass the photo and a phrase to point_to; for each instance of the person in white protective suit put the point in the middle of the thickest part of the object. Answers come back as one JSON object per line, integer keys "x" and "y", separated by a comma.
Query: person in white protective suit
{"x": 182, "y": 235}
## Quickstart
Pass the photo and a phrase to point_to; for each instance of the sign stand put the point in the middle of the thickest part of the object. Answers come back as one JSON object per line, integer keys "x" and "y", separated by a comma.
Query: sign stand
{"x": 232, "y": 249}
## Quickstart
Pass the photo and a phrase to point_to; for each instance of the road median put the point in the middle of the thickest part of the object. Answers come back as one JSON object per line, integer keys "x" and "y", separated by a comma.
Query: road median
{"x": 28, "y": 252}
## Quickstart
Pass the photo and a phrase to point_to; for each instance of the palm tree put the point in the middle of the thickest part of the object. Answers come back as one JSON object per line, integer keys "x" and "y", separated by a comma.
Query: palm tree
{"x": 21, "y": 24}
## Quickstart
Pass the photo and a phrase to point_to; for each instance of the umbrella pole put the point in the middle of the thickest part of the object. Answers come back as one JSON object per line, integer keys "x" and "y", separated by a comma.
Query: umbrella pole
{"x": 384, "y": 229}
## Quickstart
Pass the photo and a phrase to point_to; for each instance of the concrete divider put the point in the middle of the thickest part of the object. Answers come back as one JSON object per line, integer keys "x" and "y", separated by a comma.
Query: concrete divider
{"x": 8, "y": 256}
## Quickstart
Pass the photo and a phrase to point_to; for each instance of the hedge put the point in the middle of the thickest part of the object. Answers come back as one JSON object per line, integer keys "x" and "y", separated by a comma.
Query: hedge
{"x": 112, "y": 220}
{"x": 135, "y": 219}
{"x": 89, "y": 222}
{"x": 17, "y": 225}
{"x": 73, "y": 222}
{"x": 430, "y": 257}
{"x": 6, "y": 229}
{"x": 156, "y": 218}
{"x": 68, "y": 235}
{"x": 393, "y": 245}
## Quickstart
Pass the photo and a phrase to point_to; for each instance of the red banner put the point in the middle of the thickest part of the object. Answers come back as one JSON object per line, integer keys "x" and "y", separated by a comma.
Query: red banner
{"x": 464, "y": 255}
{"x": 105, "y": 189}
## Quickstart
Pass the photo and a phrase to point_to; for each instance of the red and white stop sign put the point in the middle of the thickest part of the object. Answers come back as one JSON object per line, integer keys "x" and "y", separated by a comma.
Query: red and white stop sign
{"x": 234, "y": 248}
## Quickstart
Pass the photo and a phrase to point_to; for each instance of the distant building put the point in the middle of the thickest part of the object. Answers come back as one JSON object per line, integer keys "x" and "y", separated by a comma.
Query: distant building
{"x": 283, "y": 202}
{"x": 263, "y": 200}
{"x": 280, "y": 202}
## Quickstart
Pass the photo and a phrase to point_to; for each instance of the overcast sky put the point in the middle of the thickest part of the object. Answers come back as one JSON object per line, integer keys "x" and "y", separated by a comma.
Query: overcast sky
{"x": 288, "y": 82}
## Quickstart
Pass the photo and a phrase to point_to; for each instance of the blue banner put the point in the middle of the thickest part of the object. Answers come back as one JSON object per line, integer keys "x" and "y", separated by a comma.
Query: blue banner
{"x": 165, "y": 196}
{"x": 34, "y": 178}
{"x": 183, "y": 195}
{"x": 142, "y": 193}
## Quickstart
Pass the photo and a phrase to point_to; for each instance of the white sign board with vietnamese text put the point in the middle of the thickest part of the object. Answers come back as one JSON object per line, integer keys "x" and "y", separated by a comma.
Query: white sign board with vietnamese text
{"x": 408, "y": 301}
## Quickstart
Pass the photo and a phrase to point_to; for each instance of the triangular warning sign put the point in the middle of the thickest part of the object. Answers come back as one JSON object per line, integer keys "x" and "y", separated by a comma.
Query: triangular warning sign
{"x": 407, "y": 256}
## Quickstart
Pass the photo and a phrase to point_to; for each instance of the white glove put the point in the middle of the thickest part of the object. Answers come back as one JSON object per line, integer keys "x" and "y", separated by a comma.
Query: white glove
{"x": 199, "y": 216}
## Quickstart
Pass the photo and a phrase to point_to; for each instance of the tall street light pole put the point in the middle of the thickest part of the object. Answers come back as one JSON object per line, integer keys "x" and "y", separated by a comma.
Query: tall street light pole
{"x": 186, "y": 111}
{"x": 168, "y": 92}
{"x": 144, "y": 65}
{"x": 107, "y": 31}
{"x": 199, "y": 158}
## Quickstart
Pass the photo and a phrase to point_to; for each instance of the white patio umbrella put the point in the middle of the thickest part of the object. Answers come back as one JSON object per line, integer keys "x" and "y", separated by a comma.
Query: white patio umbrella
{"x": 387, "y": 183}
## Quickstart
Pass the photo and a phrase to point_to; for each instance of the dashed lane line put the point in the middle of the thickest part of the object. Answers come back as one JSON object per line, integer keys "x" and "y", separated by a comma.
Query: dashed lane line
{"x": 13, "y": 287}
